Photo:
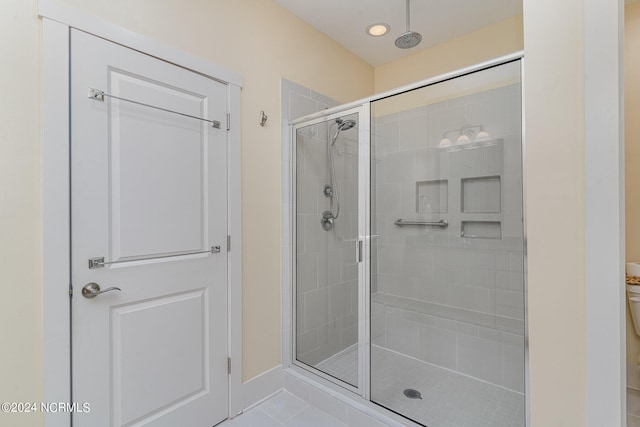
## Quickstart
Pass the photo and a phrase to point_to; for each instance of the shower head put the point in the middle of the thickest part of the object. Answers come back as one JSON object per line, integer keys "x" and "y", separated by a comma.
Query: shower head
{"x": 342, "y": 125}
{"x": 345, "y": 124}
{"x": 409, "y": 38}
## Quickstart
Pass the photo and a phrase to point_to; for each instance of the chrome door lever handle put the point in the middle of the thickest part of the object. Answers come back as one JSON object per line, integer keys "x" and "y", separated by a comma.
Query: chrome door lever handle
{"x": 92, "y": 290}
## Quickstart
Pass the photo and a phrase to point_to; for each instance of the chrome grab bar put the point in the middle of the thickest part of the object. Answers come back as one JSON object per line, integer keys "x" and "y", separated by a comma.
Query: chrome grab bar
{"x": 402, "y": 222}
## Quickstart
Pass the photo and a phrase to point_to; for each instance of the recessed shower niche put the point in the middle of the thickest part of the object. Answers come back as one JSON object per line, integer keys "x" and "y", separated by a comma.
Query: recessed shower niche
{"x": 418, "y": 282}
{"x": 481, "y": 194}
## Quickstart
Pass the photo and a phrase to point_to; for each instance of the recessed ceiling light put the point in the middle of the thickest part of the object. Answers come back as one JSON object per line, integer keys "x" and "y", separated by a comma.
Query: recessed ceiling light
{"x": 377, "y": 30}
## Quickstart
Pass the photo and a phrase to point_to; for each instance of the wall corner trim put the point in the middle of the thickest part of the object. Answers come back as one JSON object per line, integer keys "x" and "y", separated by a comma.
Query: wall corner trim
{"x": 604, "y": 198}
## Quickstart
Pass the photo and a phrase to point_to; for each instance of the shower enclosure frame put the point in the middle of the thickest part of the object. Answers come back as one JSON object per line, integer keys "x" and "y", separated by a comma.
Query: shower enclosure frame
{"x": 364, "y": 134}
{"x": 360, "y": 394}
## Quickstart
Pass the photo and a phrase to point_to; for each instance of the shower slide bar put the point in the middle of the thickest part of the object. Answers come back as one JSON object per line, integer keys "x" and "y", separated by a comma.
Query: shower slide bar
{"x": 402, "y": 222}
{"x": 99, "y": 95}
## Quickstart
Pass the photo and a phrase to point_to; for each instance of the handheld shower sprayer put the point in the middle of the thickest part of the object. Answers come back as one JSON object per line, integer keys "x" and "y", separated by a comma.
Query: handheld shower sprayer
{"x": 331, "y": 191}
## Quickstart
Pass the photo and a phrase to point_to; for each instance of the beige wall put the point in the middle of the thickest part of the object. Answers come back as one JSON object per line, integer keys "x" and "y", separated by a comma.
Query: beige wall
{"x": 554, "y": 117}
{"x": 491, "y": 42}
{"x": 20, "y": 210}
{"x": 632, "y": 154}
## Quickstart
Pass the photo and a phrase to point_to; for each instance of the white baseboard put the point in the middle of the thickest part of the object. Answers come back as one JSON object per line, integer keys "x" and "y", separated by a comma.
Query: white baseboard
{"x": 262, "y": 387}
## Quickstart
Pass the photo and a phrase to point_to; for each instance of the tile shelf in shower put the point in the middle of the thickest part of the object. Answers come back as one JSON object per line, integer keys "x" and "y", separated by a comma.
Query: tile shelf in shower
{"x": 481, "y": 229}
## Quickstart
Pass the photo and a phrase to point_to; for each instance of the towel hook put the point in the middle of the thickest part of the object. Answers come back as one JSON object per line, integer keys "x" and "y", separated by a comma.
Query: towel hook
{"x": 263, "y": 118}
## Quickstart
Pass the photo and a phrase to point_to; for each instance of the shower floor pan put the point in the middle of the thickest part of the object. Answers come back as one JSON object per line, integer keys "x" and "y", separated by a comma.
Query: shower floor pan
{"x": 449, "y": 399}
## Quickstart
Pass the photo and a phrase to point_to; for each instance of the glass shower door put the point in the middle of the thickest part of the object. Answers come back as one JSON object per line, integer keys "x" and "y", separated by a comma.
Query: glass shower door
{"x": 447, "y": 252}
{"x": 326, "y": 235}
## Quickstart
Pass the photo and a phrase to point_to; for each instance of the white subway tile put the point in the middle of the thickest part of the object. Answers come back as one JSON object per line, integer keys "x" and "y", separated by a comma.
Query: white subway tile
{"x": 413, "y": 133}
{"x": 306, "y": 272}
{"x": 339, "y": 300}
{"x": 283, "y": 406}
{"x": 516, "y": 262}
{"x": 312, "y": 417}
{"x": 480, "y": 358}
{"x": 471, "y": 298}
{"x": 300, "y": 105}
{"x": 502, "y": 261}
{"x": 356, "y": 418}
{"x": 438, "y": 346}
{"x": 482, "y": 277}
{"x": 316, "y": 308}
{"x": 513, "y": 367}
{"x": 328, "y": 404}
{"x": 489, "y": 334}
{"x": 502, "y": 280}
{"x": 514, "y": 299}
{"x": 400, "y": 168}
{"x": 306, "y": 342}
{"x": 403, "y": 336}
{"x": 290, "y": 86}
{"x": 295, "y": 386}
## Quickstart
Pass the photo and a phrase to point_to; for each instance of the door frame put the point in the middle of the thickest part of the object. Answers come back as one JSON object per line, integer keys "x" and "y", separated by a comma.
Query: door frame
{"x": 57, "y": 21}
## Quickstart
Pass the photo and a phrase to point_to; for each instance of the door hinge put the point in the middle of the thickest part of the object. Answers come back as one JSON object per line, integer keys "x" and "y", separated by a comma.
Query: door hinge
{"x": 228, "y": 243}
{"x": 228, "y": 121}
{"x": 228, "y": 365}
{"x": 70, "y": 291}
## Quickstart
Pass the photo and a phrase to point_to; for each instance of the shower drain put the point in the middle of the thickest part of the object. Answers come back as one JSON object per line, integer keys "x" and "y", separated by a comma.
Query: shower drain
{"x": 412, "y": 394}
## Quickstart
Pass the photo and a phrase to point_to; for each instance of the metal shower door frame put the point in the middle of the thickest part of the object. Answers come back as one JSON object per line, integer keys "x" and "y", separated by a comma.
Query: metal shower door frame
{"x": 363, "y": 133}
{"x": 363, "y": 107}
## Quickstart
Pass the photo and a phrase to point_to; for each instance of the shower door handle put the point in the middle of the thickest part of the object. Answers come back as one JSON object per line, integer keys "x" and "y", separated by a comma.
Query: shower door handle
{"x": 359, "y": 248}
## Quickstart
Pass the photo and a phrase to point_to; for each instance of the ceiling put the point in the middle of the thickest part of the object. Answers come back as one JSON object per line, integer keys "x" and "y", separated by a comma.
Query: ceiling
{"x": 345, "y": 21}
{"x": 437, "y": 20}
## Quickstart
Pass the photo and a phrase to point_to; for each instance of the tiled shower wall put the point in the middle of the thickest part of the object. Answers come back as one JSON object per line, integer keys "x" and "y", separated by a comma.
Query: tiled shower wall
{"x": 326, "y": 274}
{"x": 326, "y": 279}
{"x": 453, "y": 300}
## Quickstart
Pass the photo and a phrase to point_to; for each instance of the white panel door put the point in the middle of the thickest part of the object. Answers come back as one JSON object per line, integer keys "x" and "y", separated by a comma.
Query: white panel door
{"x": 149, "y": 195}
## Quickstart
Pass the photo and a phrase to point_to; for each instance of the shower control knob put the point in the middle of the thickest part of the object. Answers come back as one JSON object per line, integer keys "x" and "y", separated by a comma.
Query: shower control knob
{"x": 327, "y": 220}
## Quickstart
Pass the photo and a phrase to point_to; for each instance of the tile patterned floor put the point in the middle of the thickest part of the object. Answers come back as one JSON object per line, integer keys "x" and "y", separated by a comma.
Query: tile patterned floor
{"x": 283, "y": 409}
{"x": 448, "y": 399}
{"x": 343, "y": 365}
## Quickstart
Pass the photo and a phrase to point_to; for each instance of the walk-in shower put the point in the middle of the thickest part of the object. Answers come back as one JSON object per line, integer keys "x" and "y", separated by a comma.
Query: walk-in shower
{"x": 408, "y": 267}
